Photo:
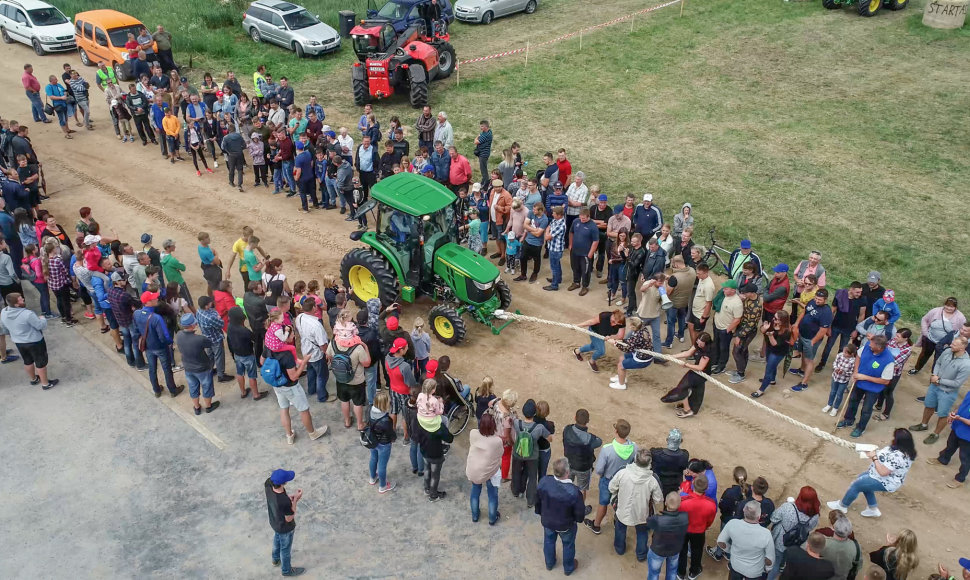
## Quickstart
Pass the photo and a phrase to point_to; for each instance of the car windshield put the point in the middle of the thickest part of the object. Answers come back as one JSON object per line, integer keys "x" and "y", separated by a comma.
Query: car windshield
{"x": 47, "y": 16}
{"x": 393, "y": 11}
{"x": 119, "y": 36}
{"x": 299, "y": 20}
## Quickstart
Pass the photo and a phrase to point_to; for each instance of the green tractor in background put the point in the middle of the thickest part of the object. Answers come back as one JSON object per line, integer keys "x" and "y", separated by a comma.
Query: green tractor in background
{"x": 414, "y": 251}
{"x": 866, "y": 7}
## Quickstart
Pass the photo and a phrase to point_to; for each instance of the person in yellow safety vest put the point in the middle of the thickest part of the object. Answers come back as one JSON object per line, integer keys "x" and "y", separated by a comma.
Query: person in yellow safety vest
{"x": 104, "y": 75}
{"x": 258, "y": 79}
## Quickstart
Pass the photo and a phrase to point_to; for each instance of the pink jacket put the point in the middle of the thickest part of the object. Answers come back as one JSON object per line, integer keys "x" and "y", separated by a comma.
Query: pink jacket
{"x": 956, "y": 320}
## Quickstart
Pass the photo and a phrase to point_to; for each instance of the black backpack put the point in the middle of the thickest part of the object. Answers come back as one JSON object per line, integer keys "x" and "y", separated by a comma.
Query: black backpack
{"x": 798, "y": 535}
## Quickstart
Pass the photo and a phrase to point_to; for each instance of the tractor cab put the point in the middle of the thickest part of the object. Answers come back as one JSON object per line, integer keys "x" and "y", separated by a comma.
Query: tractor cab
{"x": 372, "y": 39}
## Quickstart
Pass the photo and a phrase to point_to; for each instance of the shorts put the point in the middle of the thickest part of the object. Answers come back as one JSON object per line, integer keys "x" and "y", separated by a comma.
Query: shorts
{"x": 197, "y": 380}
{"x": 805, "y": 346}
{"x": 110, "y": 317}
{"x": 246, "y": 366}
{"x": 33, "y": 353}
{"x": 936, "y": 398}
{"x": 355, "y": 394}
{"x": 604, "y": 491}
{"x": 294, "y": 396}
{"x": 631, "y": 363}
{"x": 696, "y": 322}
{"x": 581, "y": 478}
{"x": 398, "y": 402}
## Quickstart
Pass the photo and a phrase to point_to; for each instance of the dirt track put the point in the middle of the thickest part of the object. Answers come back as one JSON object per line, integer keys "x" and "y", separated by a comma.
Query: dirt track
{"x": 132, "y": 190}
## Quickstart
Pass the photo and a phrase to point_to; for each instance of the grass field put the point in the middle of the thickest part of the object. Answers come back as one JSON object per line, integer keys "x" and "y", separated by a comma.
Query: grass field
{"x": 795, "y": 126}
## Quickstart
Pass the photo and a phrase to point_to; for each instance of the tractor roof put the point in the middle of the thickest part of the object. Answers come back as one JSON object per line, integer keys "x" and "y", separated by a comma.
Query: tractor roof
{"x": 413, "y": 194}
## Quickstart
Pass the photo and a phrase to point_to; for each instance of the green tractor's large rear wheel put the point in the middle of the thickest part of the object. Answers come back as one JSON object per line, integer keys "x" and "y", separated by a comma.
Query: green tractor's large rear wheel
{"x": 369, "y": 276}
{"x": 447, "y": 325}
{"x": 869, "y": 7}
{"x": 831, "y": 4}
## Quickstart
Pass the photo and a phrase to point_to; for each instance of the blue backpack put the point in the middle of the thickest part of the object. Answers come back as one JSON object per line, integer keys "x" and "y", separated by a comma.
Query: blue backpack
{"x": 273, "y": 374}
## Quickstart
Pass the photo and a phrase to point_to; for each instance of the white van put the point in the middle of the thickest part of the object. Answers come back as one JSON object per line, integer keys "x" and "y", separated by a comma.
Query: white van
{"x": 37, "y": 24}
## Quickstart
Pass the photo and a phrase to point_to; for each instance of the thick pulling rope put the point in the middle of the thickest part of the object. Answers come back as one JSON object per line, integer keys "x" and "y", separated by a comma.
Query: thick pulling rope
{"x": 813, "y": 430}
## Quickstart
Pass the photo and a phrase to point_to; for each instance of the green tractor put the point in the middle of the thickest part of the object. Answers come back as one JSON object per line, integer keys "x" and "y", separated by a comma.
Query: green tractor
{"x": 866, "y": 7}
{"x": 414, "y": 252}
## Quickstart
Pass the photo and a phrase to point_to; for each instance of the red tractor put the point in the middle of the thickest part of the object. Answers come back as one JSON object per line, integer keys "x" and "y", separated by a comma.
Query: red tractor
{"x": 405, "y": 62}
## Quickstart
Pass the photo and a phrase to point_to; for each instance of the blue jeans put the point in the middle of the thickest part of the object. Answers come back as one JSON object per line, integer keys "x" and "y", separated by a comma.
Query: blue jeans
{"x": 379, "y": 456}
{"x": 199, "y": 381}
{"x": 163, "y": 356}
{"x": 282, "y": 544}
{"x": 330, "y": 186}
{"x": 865, "y": 485}
{"x": 61, "y": 113}
{"x": 545, "y": 455}
{"x": 45, "y": 297}
{"x": 655, "y": 563}
{"x": 474, "y": 496}
{"x": 619, "y": 539}
{"x": 868, "y": 400}
{"x": 843, "y": 337}
{"x": 772, "y": 361}
{"x": 287, "y": 169}
{"x": 277, "y": 179}
{"x": 370, "y": 375}
{"x": 595, "y": 346}
{"x": 36, "y": 107}
{"x": 775, "y": 571}
{"x": 654, "y": 324}
{"x": 678, "y": 315}
{"x": 836, "y": 392}
{"x": 616, "y": 279}
{"x": 555, "y": 263}
{"x": 417, "y": 460}
{"x": 317, "y": 375}
{"x": 568, "y": 548}
{"x": 132, "y": 354}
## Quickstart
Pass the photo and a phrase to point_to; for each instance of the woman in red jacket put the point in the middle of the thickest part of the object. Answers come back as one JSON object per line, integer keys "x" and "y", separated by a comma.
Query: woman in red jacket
{"x": 224, "y": 301}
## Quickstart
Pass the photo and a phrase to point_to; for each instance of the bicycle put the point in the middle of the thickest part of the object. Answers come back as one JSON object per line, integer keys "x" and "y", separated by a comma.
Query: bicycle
{"x": 714, "y": 254}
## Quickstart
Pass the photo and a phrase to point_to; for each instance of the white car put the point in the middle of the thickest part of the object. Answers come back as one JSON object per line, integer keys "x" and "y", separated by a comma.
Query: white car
{"x": 37, "y": 24}
{"x": 484, "y": 11}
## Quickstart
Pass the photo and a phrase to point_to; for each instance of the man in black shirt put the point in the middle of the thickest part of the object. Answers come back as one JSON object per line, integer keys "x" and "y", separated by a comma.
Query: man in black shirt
{"x": 601, "y": 214}
{"x": 242, "y": 349}
{"x": 872, "y": 291}
{"x": 282, "y": 518}
{"x": 847, "y": 311}
{"x": 807, "y": 564}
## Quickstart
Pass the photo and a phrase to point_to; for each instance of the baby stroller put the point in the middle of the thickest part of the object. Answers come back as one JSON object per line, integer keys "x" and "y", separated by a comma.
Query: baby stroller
{"x": 458, "y": 406}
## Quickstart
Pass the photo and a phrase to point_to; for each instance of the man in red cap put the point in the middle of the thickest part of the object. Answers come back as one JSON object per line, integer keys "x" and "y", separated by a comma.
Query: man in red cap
{"x": 401, "y": 379}
{"x": 390, "y": 328}
{"x": 157, "y": 341}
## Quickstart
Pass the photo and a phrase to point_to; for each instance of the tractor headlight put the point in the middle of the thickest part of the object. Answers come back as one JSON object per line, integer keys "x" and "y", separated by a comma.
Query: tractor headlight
{"x": 485, "y": 286}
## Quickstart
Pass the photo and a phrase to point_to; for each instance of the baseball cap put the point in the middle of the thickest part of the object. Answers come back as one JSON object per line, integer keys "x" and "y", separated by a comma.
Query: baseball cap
{"x": 431, "y": 367}
{"x": 497, "y": 183}
{"x": 300, "y": 145}
{"x": 648, "y": 197}
{"x": 601, "y": 197}
{"x": 748, "y": 288}
{"x": 146, "y": 238}
{"x": 91, "y": 239}
{"x": 147, "y": 296}
{"x": 392, "y": 323}
{"x": 476, "y": 187}
{"x": 746, "y": 244}
{"x": 183, "y": 79}
{"x": 188, "y": 319}
{"x": 220, "y": 94}
{"x": 254, "y": 135}
{"x": 529, "y": 409}
{"x": 874, "y": 277}
{"x": 399, "y": 344}
{"x": 557, "y": 185}
{"x": 330, "y": 134}
{"x": 281, "y": 476}
{"x": 117, "y": 277}
{"x": 781, "y": 268}
{"x": 965, "y": 562}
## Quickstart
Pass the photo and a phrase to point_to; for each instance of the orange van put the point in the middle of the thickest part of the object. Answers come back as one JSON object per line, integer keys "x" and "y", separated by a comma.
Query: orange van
{"x": 101, "y": 36}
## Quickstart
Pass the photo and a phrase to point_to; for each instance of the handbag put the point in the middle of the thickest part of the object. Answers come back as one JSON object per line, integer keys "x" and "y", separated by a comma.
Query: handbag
{"x": 48, "y": 108}
{"x": 143, "y": 339}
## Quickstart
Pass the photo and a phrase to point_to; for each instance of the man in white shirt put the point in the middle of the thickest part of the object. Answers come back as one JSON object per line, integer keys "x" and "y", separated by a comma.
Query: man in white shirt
{"x": 346, "y": 144}
{"x": 277, "y": 116}
{"x": 578, "y": 195}
{"x": 443, "y": 131}
{"x": 751, "y": 547}
{"x": 313, "y": 342}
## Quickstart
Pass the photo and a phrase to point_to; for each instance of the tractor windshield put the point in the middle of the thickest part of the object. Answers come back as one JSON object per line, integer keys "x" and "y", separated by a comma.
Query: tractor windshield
{"x": 398, "y": 226}
{"x": 366, "y": 44}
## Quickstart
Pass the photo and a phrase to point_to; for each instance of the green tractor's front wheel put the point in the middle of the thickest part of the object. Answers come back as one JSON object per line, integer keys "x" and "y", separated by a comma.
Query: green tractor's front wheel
{"x": 869, "y": 7}
{"x": 896, "y": 4}
{"x": 447, "y": 325}
{"x": 831, "y": 4}
{"x": 504, "y": 294}
{"x": 369, "y": 276}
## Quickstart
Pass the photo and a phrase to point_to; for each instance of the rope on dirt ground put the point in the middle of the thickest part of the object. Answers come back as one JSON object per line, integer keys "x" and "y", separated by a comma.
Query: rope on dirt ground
{"x": 777, "y": 414}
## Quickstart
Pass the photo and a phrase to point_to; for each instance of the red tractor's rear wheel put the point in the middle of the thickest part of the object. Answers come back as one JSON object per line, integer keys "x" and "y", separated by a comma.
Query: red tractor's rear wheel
{"x": 446, "y": 60}
{"x": 418, "y": 81}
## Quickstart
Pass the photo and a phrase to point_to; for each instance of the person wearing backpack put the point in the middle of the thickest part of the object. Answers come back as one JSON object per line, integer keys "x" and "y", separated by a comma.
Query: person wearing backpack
{"x": 791, "y": 524}
{"x": 612, "y": 459}
{"x": 379, "y": 435}
{"x": 433, "y": 437}
{"x": 347, "y": 359}
{"x": 525, "y": 453}
{"x": 280, "y": 371}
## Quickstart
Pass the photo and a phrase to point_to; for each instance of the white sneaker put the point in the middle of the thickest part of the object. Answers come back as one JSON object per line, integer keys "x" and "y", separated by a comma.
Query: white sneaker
{"x": 387, "y": 488}
{"x": 291, "y": 438}
{"x": 833, "y": 412}
{"x": 826, "y": 408}
{"x": 615, "y": 379}
{"x": 618, "y": 386}
{"x": 318, "y": 433}
{"x": 837, "y": 505}
{"x": 870, "y": 512}
{"x": 680, "y": 339}
{"x": 371, "y": 481}
{"x": 215, "y": 164}
{"x": 736, "y": 378}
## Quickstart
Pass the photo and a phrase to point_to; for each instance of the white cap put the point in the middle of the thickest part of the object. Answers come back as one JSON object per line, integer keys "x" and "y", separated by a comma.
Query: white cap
{"x": 648, "y": 197}
{"x": 91, "y": 239}
{"x": 476, "y": 187}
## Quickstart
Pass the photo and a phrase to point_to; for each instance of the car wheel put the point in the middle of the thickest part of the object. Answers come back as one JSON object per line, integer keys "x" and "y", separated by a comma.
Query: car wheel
{"x": 487, "y": 17}
{"x": 6, "y": 37}
{"x": 254, "y": 34}
{"x": 38, "y": 48}
{"x": 84, "y": 57}
{"x": 530, "y": 7}
{"x": 298, "y": 49}
{"x": 120, "y": 71}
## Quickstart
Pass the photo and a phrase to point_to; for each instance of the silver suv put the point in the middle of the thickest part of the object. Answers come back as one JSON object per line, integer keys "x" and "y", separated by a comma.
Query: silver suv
{"x": 290, "y": 26}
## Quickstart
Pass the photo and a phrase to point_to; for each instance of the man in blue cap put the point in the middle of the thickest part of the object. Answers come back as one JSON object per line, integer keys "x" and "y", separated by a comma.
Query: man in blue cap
{"x": 196, "y": 362}
{"x": 282, "y": 518}
{"x": 742, "y": 256}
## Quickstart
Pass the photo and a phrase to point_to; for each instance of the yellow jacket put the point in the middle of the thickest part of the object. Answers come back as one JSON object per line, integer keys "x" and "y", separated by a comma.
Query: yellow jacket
{"x": 172, "y": 125}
